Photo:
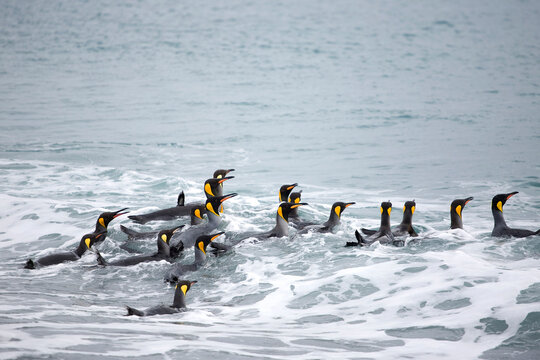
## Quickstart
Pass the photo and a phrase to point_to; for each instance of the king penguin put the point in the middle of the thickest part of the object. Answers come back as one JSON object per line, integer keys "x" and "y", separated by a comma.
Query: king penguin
{"x": 163, "y": 253}
{"x": 200, "y": 246}
{"x": 85, "y": 244}
{"x": 456, "y": 209}
{"x": 405, "y": 227}
{"x": 179, "y": 302}
{"x": 500, "y": 229}
{"x": 103, "y": 222}
{"x": 333, "y": 220}
{"x": 384, "y": 235}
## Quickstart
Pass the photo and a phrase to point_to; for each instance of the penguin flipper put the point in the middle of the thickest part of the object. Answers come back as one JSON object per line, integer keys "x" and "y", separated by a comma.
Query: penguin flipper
{"x": 133, "y": 311}
{"x": 359, "y": 240}
{"x": 368, "y": 231}
{"x": 520, "y": 233}
{"x": 29, "y": 264}
{"x": 181, "y": 199}
{"x": 220, "y": 248}
{"x": 101, "y": 261}
{"x": 138, "y": 219}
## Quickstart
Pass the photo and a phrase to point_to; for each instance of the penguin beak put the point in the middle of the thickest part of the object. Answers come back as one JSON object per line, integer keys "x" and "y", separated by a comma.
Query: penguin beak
{"x": 215, "y": 236}
{"x": 349, "y": 204}
{"x": 292, "y": 186}
{"x": 297, "y": 205}
{"x": 228, "y": 171}
{"x": 508, "y": 196}
{"x": 227, "y": 197}
{"x": 467, "y": 200}
{"x": 192, "y": 282}
{"x": 118, "y": 213}
{"x": 221, "y": 181}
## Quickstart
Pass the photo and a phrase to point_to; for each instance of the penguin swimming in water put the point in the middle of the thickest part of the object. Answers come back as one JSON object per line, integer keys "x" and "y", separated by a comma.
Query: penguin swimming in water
{"x": 187, "y": 238}
{"x": 196, "y": 218}
{"x": 333, "y": 220}
{"x": 211, "y": 187}
{"x": 500, "y": 229}
{"x": 280, "y": 230}
{"x": 103, "y": 222}
{"x": 85, "y": 244}
{"x": 163, "y": 253}
{"x": 456, "y": 209}
{"x": 179, "y": 302}
{"x": 405, "y": 227}
{"x": 200, "y": 258}
{"x": 384, "y": 235}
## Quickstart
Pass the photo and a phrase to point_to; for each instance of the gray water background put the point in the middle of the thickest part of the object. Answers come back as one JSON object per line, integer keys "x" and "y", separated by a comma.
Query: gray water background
{"x": 104, "y": 106}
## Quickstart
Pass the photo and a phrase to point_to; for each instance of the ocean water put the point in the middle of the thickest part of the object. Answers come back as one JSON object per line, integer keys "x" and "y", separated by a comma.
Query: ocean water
{"x": 105, "y": 105}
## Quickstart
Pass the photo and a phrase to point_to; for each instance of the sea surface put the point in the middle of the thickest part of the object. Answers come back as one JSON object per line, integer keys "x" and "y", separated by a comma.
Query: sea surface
{"x": 113, "y": 104}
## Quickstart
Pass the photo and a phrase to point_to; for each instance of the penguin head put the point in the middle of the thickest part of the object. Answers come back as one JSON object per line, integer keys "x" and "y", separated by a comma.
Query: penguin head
{"x": 295, "y": 197}
{"x": 166, "y": 235}
{"x": 458, "y": 205}
{"x": 204, "y": 240}
{"x": 285, "y": 208}
{"x": 339, "y": 207}
{"x": 106, "y": 217}
{"x": 184, "y": 286}
{"x": 197, "y": 213}
{"x": 214, "y": 203}
{"x": 211, "y": 185}
{"x": 386, "y": 208}
{"x": 90, "y": 239}
{"x": 285, "y": 190}
{"x": 409, "y": 207}
{"x": 499, "y": 200}
{"x": 220, "y": 173}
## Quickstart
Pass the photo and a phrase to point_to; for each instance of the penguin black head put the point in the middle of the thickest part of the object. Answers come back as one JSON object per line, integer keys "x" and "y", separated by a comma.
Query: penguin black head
{"x": 214, "y": 203}
{"x": 386, "y": 207}
{"x": 204, "y": 240}
{"x": 458, "y": 205}
{"x": 166, "y": 235}
{"x": 220, "y": 173}
{"x": 295, "y": 197}
{"x": 184, "y": 285}
{"x": 106, "y": 217}
{"x": 88, "y": 240}
{"x": 339, "y": 207}
{"x": 211, "y": 185}
{"x": 499, "y": 200}
{"x": 285, "y": 190}
{"x": 197, "y": 213}
{"x": 284, "y": 209}
{"x": 409, "y": 207}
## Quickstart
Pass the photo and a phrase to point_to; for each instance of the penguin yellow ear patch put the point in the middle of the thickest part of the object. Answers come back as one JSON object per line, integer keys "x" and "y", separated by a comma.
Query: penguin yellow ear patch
{"x": 208, "y": 190}
{"x": 297, "y": 200}
{"x": 201, "y": 247}
{"x": 499, "y": 206}
{"x": 102, "y": 222}
{"x": 338, "y": 210}
{"x": 164, "y": 238}
{"x": 404, "y": 208}
{"x": 184, "y": 289}
{"x": 87, "y": 242}
{"x": 210, "y": 208}
{"x": 389, "y": 210}
{"x": 198, "y": 213}
{"x": 412, "y": 209}
{"x": 458, "y": 210}
{"x": 280, "y": 212}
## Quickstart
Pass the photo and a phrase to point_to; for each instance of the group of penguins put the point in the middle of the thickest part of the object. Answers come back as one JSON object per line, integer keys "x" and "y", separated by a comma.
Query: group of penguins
{"x": 171, "y": 243}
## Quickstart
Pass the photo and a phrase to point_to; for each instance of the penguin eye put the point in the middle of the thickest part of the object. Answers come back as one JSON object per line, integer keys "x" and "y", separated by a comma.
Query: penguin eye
{"x": 164, "y": 238}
